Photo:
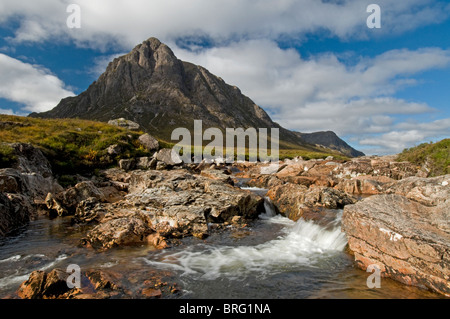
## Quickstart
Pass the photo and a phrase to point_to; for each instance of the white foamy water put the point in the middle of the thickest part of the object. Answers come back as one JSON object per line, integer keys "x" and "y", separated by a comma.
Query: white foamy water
{"x": 11, "y": 259}
{"x": 302, "y": 244}
{"x": 19, "y": 277}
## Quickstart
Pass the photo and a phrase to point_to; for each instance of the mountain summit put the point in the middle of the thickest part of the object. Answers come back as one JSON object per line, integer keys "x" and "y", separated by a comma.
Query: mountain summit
{"x": 153, "y": 88}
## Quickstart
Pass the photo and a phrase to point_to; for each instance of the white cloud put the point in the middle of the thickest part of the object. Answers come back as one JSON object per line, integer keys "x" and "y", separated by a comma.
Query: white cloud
{"x": 6, "y": 111}
{"x": 283, "y": 79}
{"x": 31, "y": 85}
{"x": 406, "y": 135}
{"x": 323, "y": 93}
{"x": 126, "y": 22}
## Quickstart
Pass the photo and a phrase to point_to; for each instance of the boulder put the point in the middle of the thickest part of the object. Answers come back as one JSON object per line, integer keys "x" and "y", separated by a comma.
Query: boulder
{"x": 149, "y": 142}
{"x": 130, "y": 125}
{"x": 65, "y": 203}
{"x": 33, "y": 286}
{"x": 95, "y": 284}
{"x": 365, "y": 185}
{"x": 168, "y": 157}
{"x": 218, "y": 175}
{"x": 294, "y": 169}
{"x": 27, "y": 182}
{"x": 375, "y": 166}
{"x": 127, "y": 164}
{"x": 293, "y": 200}
{"x": 30, "y": 175}
{"x": 15, "y": 212}
{"x": 102, "y": 280}
{"x": 55, "y": 206}
{"x": 408, "y": 241}
{"x": 42, "y": 285}
{"x": 119, "y": 228}
{"x": 89, "y": 211}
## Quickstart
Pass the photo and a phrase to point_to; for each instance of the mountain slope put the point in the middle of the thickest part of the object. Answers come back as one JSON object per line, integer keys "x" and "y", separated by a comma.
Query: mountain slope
{"x": 152, "y": 87}
{"x": 331, "y": 140}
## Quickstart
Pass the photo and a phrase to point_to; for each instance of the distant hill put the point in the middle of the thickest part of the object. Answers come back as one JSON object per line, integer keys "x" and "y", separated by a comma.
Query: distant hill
{"x": 330, "y": 140}
{"x": 153, "y": 88}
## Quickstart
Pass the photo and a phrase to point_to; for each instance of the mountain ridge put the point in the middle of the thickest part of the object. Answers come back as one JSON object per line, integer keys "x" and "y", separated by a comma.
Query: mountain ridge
{"x": 155, "y": 89}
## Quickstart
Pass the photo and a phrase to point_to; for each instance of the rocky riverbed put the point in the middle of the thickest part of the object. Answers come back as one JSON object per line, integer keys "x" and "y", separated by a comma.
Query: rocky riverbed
{"x": 394, "y": 216}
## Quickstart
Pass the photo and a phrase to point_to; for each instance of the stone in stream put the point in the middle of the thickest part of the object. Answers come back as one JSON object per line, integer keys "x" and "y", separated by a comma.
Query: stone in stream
{"x": 171, "y": 204}
{"x": 97, "y": 284}
{"x": 42, "y": 285}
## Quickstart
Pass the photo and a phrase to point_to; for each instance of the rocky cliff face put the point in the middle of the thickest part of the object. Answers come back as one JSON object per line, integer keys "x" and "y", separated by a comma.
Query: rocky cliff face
{"x": 23, "y": 186}
{"x": 153, "y": 88}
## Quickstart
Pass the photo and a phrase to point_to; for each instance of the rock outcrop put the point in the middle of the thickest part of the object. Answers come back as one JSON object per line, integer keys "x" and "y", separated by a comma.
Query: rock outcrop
{"x": 23, "y": 186}
{"x": 162, "y": 204}
{"x": 362, "y": 176}
{"x": 130, "y": 125}
{"x": 406, "y": 232}
{"x": 15, "y": 212}
{"x": 65, "y": 203}
{"x": 149, "y": 142}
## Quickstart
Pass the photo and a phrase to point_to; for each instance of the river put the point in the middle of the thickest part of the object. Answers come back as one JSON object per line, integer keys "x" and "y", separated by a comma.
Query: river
{"x": 273, "y": 257}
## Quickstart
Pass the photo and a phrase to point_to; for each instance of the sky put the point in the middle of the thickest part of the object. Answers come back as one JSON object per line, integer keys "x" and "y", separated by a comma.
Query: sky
{"x": 312, "y": 65}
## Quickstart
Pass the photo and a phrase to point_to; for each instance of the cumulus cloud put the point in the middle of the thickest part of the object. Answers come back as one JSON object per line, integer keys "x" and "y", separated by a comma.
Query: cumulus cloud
{"x": 407, "y": 134}
{"x": 31, "y": 85}
{"x": 282, "y": 78}
{"x": 126, "y": 22}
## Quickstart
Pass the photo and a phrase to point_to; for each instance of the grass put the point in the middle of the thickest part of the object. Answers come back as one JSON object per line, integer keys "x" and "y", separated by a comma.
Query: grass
{"x": 435, "y": 155}
{"x": 71, "y": 145}
{"x": 283, "y": 153}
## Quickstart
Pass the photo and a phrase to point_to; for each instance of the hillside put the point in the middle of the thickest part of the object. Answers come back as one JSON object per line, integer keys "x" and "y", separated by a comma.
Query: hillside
{"x": 433, "y": 156}
{"x": 153, "y": 88}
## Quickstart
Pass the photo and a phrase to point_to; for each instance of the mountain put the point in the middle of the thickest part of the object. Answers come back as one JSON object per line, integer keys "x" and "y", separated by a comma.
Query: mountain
{"x": 330, "y": 140}
{"x": 153, "y": 88}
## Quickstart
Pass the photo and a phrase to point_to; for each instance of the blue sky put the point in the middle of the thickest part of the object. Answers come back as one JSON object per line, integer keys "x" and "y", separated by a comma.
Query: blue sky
{"x": 312, "y": 65}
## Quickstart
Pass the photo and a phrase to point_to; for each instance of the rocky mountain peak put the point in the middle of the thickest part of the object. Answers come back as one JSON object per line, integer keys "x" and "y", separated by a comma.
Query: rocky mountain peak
{"x": 152, "y": 87}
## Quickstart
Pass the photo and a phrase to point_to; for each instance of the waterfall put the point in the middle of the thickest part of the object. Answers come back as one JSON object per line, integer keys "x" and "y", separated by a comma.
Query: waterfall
{"x": 303, "y": 244}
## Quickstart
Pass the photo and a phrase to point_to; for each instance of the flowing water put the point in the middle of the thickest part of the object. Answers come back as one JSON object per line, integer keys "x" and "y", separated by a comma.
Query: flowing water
{"x": 273, "y": 257}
